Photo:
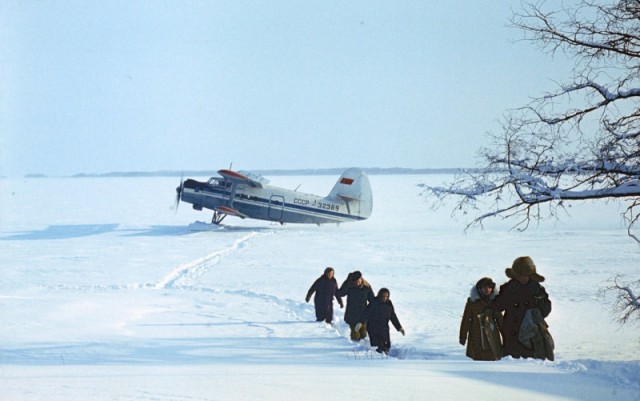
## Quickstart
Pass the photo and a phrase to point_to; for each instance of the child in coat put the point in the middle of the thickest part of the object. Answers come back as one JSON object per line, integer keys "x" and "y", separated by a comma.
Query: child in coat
{"x": 481, "y": 332}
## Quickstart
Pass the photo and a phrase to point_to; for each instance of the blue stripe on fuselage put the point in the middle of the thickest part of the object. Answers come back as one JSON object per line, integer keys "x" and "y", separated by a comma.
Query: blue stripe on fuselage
{"x": 208, "y": 190}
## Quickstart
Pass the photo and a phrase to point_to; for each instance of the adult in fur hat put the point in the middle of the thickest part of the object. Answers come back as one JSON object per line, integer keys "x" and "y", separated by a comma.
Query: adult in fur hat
{"x": 359, "y": 295}
{"x": 377, "y": 317}
{"x": 521, "y": 293}
{"x": 480, "y": 332}
{"x": 325, "y": 288}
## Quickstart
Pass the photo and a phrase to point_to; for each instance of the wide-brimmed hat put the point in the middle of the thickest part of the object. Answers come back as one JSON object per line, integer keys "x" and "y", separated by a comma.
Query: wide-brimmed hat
{"x": 524, "y": 266}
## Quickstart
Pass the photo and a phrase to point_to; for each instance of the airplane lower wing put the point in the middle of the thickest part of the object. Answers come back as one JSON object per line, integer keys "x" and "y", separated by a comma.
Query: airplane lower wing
{"x": 230, "y": 211}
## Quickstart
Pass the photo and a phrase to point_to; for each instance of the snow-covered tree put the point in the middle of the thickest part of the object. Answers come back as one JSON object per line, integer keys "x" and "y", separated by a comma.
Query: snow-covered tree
{"x": 627, "y": 303}
{"x": 578, "y": 142}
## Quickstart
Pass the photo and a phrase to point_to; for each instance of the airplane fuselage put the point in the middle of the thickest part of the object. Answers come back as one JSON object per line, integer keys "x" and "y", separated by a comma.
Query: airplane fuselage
{"x": 268, "y": 203}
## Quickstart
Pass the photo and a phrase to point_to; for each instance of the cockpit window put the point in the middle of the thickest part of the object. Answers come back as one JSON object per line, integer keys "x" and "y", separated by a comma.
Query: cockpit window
{"x": 217, "y": 183}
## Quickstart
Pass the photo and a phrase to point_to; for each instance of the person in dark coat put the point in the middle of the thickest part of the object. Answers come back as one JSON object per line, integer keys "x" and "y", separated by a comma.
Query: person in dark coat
{"x": 377, "y": 317}
{"x": 326, "y": 288}
{"x": 359, "y": 294}
{"x": 521, "y": 293}
{"x": 479, "y": 332}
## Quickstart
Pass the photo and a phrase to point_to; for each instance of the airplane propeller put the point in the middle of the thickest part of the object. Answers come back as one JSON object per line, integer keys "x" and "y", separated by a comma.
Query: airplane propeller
{"x": 179, "y": 190}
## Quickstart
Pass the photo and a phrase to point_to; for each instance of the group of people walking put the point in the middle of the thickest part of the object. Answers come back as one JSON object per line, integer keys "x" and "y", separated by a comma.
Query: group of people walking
{"x": 365, "y": 313}
{"x": 507, "y": 322}
{"x": 510, "y": 321}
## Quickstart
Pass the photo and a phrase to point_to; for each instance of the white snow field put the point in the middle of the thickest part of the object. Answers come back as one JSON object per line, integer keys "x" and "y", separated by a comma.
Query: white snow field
{"x": 107, "y": 294}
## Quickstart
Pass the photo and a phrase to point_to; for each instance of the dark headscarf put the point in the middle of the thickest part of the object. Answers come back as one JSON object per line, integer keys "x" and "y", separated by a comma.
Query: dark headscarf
{"x": 485, "y": 282}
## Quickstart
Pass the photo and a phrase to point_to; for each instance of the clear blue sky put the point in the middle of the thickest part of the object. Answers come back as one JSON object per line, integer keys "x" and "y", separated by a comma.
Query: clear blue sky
{"x": 102, "y": 86}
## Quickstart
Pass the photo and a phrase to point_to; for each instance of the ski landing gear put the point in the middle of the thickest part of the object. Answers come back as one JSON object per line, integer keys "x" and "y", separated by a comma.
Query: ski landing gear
{"x": 217, "y": 217}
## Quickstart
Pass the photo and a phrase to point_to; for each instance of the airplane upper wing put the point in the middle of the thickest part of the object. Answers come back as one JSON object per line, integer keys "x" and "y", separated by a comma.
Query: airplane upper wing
{"x": 254, "y": 180}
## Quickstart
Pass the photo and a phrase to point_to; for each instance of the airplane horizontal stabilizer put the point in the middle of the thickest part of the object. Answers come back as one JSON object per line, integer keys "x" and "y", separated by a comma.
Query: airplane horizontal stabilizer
{"x": 348, "y": 198}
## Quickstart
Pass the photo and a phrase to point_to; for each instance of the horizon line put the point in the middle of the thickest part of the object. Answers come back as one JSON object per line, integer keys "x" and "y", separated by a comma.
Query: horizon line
{"x": 272, "y": 172}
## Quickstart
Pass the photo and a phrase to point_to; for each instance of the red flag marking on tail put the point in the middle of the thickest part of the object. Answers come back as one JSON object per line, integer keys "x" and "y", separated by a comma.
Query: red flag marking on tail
{"x": 346, "y": 181}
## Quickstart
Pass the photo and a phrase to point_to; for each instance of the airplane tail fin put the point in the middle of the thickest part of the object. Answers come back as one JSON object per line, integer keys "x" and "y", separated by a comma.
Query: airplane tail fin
{"x": 354, "y": 188}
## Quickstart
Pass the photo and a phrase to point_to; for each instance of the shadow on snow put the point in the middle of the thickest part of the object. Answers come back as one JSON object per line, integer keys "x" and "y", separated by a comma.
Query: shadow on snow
{"x": 68, "y": 231}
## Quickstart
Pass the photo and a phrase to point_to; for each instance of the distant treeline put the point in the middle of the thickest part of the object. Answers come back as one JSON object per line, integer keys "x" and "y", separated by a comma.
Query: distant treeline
{"x": 319, "y": 171}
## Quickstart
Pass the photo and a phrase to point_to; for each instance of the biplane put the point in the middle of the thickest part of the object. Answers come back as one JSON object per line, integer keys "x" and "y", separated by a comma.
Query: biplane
{"x": 249, "y": 196}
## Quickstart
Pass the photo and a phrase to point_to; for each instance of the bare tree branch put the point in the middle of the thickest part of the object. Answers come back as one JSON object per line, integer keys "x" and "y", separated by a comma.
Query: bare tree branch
{"x": 580, "y": 142}
{"x": 627, "y": 301}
